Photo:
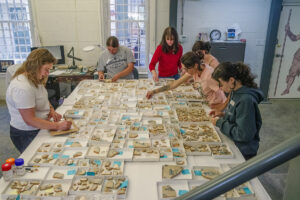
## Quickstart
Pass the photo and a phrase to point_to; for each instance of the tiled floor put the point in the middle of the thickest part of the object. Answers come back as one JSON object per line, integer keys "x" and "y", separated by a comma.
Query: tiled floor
{"x": 277, "y": 127}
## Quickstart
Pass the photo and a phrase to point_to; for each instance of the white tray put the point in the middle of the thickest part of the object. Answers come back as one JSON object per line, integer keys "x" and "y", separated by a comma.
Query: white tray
{"x": 9, "y": 192}
{"x": 123, "y": 154}
{"x": 193, "y": 149}
{"x": 68, "y": 173}
{"x": 185, "y": 174}
{"x": 65, "y": 186}
{"x": 112, "y": 168}
{"x": 230, "y": 155}
{"x": 166, "y": 154}
{"x": 104, "y": 148}
{"x": 44, "y": 147}
{"x": 83, "y": 192}
{"x": 145, "y": 154}
{"x": 124, "y": 185}
{"x": 198, "y": 172}
{"x": 160, "y": 142}
{"x": 69, "y": 153}
{"x": 71, "y": 143}
{"x": 43, "y": 162}
{"x": 180, "y": 186}
{"x": 34, "y": 173}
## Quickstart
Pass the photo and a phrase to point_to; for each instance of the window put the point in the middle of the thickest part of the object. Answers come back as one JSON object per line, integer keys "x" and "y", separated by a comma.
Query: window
{"x": 15, "y": 36}
{"x": 128, "y": 23}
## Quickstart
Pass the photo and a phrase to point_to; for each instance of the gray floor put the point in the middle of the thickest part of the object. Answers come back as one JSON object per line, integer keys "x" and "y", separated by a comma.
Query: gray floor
{"x": 280, "y": 122}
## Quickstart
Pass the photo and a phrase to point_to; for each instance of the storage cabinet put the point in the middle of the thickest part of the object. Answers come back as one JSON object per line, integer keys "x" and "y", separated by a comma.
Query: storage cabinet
{"x": 233, "y": 51}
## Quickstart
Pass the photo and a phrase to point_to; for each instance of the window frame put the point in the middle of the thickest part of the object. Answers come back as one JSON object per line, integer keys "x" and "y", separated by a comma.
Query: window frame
{"x": 13, "y": 48}
{"x": 107, "y": 29}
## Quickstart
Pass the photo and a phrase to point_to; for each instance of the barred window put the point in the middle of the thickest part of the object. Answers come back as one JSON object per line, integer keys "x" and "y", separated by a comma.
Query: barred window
{"x": 15, "y": 35}
{"x": 128, "y": 23}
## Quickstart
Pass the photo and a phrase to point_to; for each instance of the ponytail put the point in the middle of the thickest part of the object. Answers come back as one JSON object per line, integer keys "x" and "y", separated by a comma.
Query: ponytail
{"x": 200, "y": 45}
{"x": 191, "y": 58}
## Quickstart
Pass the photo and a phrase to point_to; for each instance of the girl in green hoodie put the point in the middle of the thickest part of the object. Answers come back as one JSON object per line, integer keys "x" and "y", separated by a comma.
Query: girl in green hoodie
{"x": 241, "y": 120}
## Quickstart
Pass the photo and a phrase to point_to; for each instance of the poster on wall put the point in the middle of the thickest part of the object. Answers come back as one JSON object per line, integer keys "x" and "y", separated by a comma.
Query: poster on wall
{"x": 285, "y": 79}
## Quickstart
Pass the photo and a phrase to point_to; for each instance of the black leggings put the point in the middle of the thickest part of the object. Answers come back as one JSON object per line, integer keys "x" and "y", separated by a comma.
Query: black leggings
{"x": 21, "y": 139}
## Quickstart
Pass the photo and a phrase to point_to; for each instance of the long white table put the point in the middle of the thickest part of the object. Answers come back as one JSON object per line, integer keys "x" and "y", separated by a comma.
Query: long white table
{"x": 143, "y": 176}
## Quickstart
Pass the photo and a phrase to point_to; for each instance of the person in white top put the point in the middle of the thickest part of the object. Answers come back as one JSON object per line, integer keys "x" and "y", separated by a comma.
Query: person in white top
{"x": 27, "y": 100}
{"x": 11, "y": 70}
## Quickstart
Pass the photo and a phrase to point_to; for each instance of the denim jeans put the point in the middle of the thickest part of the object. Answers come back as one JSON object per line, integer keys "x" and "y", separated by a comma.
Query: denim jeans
{"x": 176, "y": 76}
{"x": 21, "y": 139}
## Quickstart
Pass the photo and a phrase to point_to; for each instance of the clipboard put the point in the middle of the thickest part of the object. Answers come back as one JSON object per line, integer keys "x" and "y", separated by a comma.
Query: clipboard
{"x": 72, "y": 130}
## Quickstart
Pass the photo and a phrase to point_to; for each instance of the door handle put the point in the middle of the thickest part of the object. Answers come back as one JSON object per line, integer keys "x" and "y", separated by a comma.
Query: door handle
{"x": 278, "y": 55}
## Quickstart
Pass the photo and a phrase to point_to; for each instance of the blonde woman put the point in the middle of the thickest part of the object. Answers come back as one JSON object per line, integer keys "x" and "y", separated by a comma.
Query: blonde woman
{"x": 27, "y": 100}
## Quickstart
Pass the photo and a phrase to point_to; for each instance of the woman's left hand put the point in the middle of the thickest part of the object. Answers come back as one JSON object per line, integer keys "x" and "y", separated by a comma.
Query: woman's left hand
{"x": 56, "y": 116}
{"x": 214, "y": 120}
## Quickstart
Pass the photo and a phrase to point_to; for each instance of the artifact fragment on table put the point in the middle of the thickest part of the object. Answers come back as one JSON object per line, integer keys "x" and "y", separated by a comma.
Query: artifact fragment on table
{"x": 170, "y": 171}
{"x": 168, "y": 191}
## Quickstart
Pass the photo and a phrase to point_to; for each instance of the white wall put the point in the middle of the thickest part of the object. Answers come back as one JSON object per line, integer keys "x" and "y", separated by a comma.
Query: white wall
{"x": 251, "y": 15}
{"x": 70, "y": 23}
{"x": 78, "y": 23}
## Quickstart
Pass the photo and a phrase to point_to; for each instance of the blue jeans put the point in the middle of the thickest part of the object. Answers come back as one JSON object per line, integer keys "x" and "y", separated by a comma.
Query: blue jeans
{"x": 176, "y": 76}
{"x": 21, "y": 139}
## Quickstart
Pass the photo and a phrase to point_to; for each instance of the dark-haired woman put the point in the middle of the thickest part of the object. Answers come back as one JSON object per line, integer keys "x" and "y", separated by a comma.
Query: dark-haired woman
{"x": 205, "y": 49}
{"x": 168, "y": 55}
{"x": 192, "y": 63}
{"x": 241, "y": 120}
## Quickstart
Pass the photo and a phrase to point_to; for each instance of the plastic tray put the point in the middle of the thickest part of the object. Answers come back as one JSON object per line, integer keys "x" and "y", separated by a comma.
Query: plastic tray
{"x": 71, "y": 162}
{"x": 112, "y": 168}
{"x": 43, "y": 161}
{"x": 83, "y": 163}
{"x": 116, "y": 185}
{"x": 145, "y": 143}
{"x": 229, "y": 153}
{"x": 185, "y": 174}
{"x": 70, "y": 153}
{"x": 78, "y": 191}
{"x": 160, "y": 142}
{"x": 196, "y": 149}
{"x": 57, "y": 147}
{"x": 166, "y": 154}
{"x": 34, "y": 173}
{"x": 200, "y": 174}
{"x": 120, "y": 154}
{"x": 146, "y": 154}
{"x": 178, "y": 152}
{"x": 149, "y": 120}
{"x": 118, "y": 143}
{"x": 44, "y": 147}
{"x": 204, "y": 131}
{"x": 104, "y": 148}
{"x": 9, "y": 192}
{"x": 180, "y": 186}
{"x": 68, "y": 173}
{"x": 138, "y": 135}
{"x": 75, "y": 143}
{"x": 103, "y": 134}
{"x": 65, "y": 186}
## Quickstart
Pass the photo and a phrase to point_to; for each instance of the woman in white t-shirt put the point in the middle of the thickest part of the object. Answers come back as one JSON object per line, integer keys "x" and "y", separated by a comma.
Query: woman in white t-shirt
{"x": 27, "y": 100}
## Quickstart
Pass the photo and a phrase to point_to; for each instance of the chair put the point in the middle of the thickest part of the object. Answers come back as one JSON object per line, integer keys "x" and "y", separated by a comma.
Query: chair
{"x": 135, "y": 73}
